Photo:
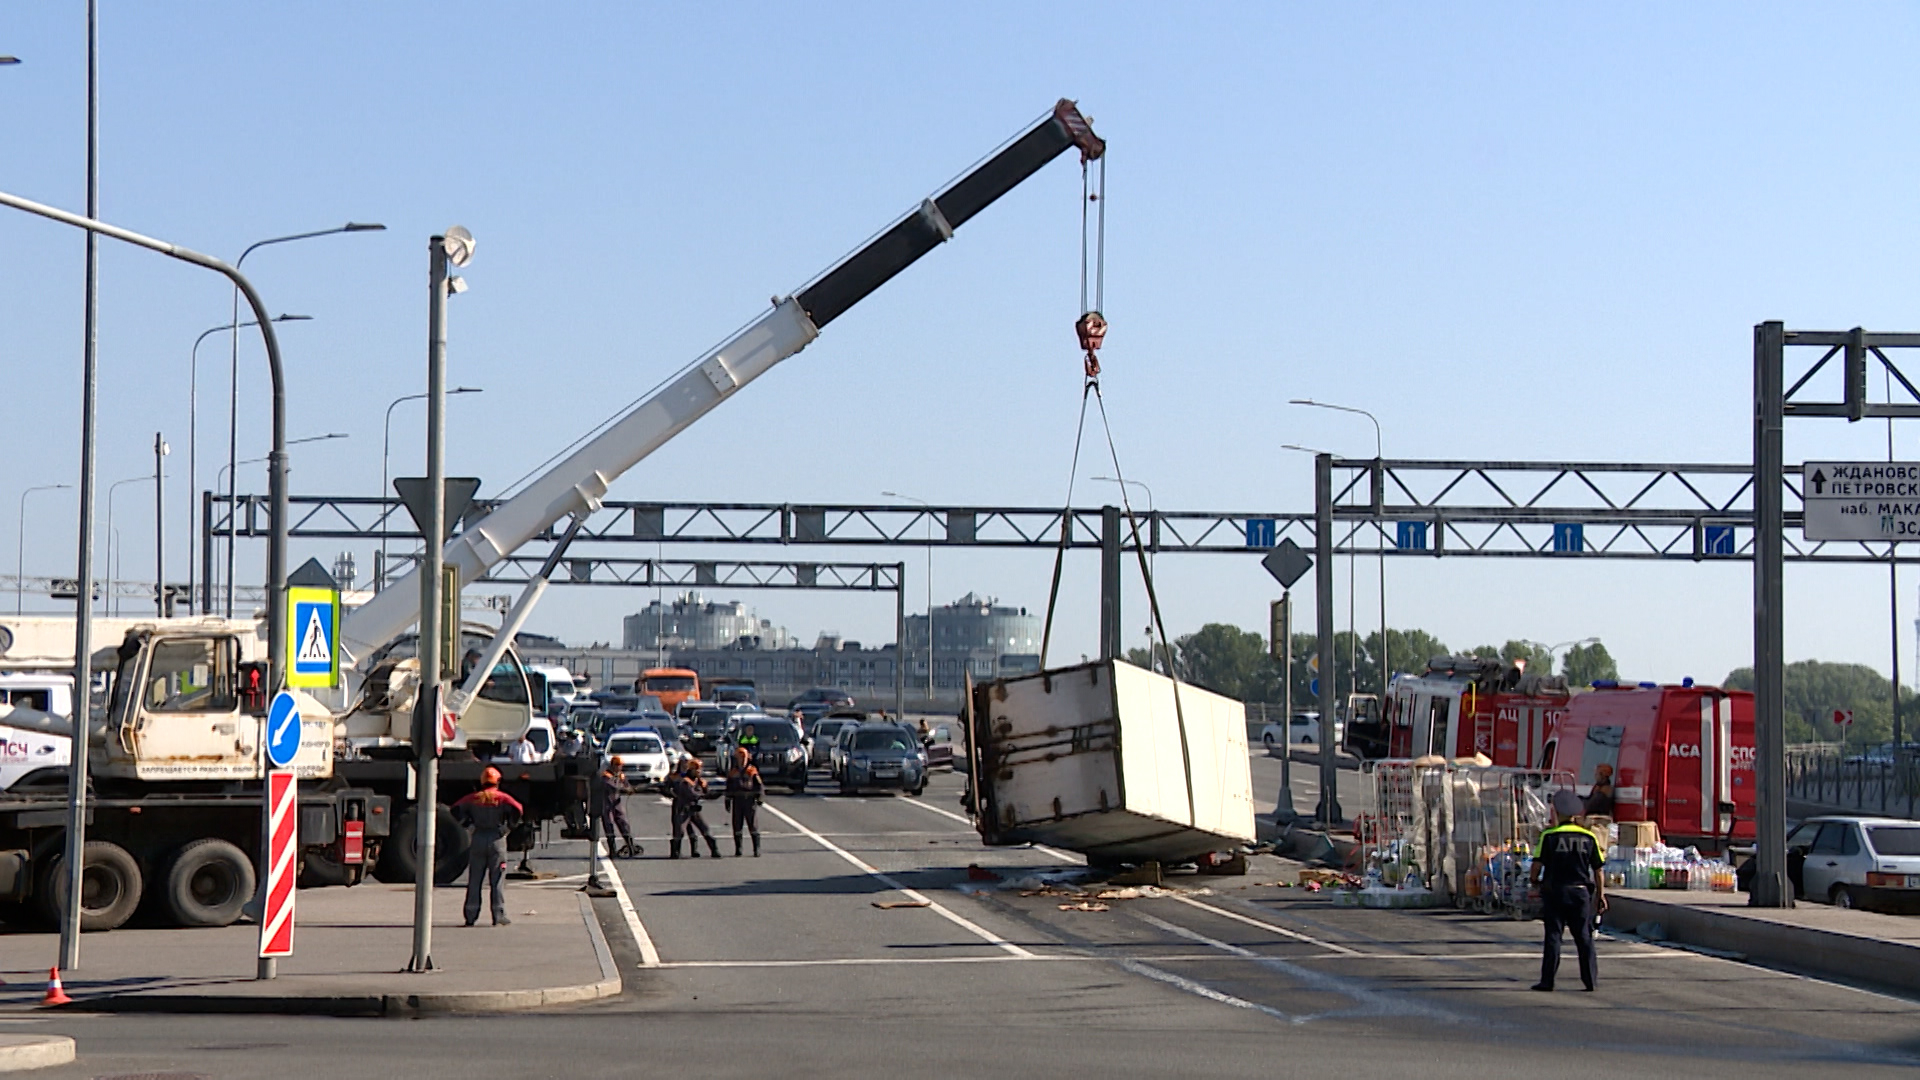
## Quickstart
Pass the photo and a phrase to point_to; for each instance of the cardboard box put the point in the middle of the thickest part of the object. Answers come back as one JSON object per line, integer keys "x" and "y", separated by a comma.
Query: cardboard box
{"x": 1638, "y": 834}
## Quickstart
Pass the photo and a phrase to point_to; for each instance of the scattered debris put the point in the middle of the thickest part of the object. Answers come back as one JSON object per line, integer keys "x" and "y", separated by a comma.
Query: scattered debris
{"x": 1085, "y": 905}
{"x": 976, "y": 872}
{"x": 1147, "y": 873}
{"x": 889, "y": 905}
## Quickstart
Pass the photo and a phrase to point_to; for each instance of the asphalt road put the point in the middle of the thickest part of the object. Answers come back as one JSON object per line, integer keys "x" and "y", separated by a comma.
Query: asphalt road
{"x": 784, "y": 965}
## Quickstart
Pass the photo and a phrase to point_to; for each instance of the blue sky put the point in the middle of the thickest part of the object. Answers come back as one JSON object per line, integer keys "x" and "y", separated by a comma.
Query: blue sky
{"x": 1511, "y": 231}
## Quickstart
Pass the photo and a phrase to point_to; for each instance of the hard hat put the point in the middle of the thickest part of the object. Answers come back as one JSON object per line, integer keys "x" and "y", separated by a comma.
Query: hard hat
{"x": 740, "y": 753}
{"x": 617, "y": 763}
{"x": 693, "y": 764}
{"x": 490, "y": 776}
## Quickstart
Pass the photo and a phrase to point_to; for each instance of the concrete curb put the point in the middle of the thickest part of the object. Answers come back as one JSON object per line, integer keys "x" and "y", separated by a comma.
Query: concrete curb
{"x": 384, "y": 1005}
{"x": 18, "y": 1053}
{"x": 1804, "y": 950}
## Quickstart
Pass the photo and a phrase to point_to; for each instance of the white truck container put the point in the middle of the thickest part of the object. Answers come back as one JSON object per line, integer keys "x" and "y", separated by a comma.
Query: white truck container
{"x": 1097, "y": 759}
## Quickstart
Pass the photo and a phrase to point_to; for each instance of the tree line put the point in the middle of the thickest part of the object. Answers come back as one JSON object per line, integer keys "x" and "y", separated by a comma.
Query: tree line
{"x": 1237, "y": 663}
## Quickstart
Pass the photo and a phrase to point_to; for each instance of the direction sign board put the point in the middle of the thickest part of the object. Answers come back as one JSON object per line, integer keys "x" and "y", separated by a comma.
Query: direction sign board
{"x": 1286, "y": 562}
{"x": 1260, "y": 532}
{"x": 283, "y": 730}
{"x": 283, "y": 818}
{"x": 313, "y": 641}
{"x": 1843, "y": 717}
{"x": 1861, "y": 500}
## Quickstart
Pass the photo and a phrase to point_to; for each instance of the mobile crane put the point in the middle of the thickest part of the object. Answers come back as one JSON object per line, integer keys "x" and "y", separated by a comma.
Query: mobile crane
{"x": 170, "y": 728}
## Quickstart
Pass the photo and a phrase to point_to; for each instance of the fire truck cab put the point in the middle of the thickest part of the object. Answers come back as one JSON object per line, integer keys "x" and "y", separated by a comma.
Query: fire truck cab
{"x": 1467, "y": 705}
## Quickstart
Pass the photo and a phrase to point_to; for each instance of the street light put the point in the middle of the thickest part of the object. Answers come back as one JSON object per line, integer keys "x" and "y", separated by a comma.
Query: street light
{"x": 1379, "y": 462}
{"x": 386, "y": 442}
{"x": 929, "y": 508}
{"x": 193, "y": 449}
{"x": 233, "y": 374}
{"x": 290, "y": 442}
{"x": 106, "y": 600}
{"x": 20, "y": 553}
{"x": 1551, "y": 649}
{"x": 1150, "y": 553}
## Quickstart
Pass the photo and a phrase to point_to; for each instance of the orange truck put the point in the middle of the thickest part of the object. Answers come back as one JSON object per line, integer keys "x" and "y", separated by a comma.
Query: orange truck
{"x": 671, "y": 685}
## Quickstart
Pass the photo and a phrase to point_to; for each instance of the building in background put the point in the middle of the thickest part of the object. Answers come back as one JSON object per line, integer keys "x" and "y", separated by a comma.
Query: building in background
{"x": 971, "y": 637}
{"x": 690, "y": 622}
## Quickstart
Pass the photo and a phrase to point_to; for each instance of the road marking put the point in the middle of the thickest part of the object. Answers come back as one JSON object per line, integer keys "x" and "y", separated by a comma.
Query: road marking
{"x": 942, "y": 910}
{"x": 968, "y": 822}
{"x": 1201, "y": 989}
{"x": 649, "y": 956}
{"x": 1267, "y": 926}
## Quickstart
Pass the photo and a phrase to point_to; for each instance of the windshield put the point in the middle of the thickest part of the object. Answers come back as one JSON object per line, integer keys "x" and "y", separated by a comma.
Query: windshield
{"x": 709, "y": 721}
{"x": 880, "y": 739}
{"x": 1894, "y": 839}
{"x": 676, "y": 684}
{"x": 771, "y": 734}
{"x": 634, "y": 744}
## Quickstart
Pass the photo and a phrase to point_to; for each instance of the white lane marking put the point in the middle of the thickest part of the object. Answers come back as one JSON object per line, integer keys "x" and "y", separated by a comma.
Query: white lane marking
{"x": 649, "y": 956}
{"x": 968, "y": 822}
{"x": 1267, "y": 926}
{"x": 1371, "y": 1002}
{"x": 942, "y": 910}
{"x": 1201, "y": 989}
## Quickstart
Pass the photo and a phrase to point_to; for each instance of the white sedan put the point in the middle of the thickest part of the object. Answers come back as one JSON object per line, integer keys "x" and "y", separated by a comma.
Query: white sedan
{"x": 1857, "y": 861}
{"x": 644, "y": 760}
{"x": 1303, "y": 731}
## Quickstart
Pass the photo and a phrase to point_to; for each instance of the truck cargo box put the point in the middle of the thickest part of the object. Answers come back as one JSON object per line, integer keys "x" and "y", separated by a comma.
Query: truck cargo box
{"x": 1096, "y": 759}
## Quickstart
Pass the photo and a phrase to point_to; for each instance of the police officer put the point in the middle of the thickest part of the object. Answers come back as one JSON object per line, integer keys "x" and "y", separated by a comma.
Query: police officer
{"x": 744, "y": 788}
{"x": 490, "y": 813}
{"x": 1566, "y": 868}
{"x": 613, "y": 785}
{"x": 689, "y": 794}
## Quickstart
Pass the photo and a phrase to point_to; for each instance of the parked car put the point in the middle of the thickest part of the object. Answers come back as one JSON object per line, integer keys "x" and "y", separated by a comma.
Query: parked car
{"x": 643, "y": 755}
{"x": 1303, "y": 729}
{"x": 704, "y": 734}
{"x": 883, "y": 756}
{"x": 821, "y": 736}
{"x": 685, "y": 710}
{"x": 1857, "y": 862}
{"x": 779, "y": 754}
{"x": 837, "y": 756}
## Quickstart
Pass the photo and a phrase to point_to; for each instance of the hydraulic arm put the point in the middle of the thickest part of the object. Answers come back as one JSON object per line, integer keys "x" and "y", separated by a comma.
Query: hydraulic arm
{"x": 576, "y": 485}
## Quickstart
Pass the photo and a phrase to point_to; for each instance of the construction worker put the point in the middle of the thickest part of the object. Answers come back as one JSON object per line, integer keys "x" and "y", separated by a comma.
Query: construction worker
{"x": 1566, "y": 867}
{"x": 689, "y": 794}
{"x": 490, "y": 813}
{"x": 613, "y": 786}
{"x": 744, "y": 788}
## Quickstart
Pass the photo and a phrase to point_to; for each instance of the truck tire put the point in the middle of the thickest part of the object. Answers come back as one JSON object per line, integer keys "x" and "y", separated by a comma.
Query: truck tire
{"x": 400, "y": 855}
{"x": 208, "y": 882}
{"x": 110, "y": 887}
{"x": 318, "y": 870}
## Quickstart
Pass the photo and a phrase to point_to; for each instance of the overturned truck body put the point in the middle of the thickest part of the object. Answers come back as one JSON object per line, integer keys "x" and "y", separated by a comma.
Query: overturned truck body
{"x": 1112, "y": 761}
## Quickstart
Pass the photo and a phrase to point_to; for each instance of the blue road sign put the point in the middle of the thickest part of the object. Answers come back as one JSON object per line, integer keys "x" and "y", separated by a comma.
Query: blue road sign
{"x": 1260, "y": 532}
{"x": 1313, "y": 687}
{"x": 1719, "y": 540}
{"x": 283, "y": 730}
{"x": 1411, "y": 536}
{"x": 1569, "y": 539}
{"x": 311, "y": 632}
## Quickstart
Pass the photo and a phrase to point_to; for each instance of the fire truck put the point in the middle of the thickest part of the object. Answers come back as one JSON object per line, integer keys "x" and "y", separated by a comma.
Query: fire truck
{"x": 1682, "y": 754}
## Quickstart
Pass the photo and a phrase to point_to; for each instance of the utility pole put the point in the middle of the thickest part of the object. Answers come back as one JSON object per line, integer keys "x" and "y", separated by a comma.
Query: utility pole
{"x": 160, "y": 604}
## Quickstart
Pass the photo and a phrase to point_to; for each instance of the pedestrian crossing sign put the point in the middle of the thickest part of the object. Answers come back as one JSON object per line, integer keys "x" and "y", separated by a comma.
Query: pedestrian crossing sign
{"x": 313, "y": 641}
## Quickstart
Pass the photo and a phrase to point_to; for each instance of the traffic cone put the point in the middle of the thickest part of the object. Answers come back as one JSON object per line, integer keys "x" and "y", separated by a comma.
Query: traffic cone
{"x": 55, "y": 995}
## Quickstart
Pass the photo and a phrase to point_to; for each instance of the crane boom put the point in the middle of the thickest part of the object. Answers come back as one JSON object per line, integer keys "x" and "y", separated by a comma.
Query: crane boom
{"x": 577, "y": 484}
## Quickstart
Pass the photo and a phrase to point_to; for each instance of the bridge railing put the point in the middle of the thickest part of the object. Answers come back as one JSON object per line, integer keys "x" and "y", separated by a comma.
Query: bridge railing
{"x": 1863, "y": 783}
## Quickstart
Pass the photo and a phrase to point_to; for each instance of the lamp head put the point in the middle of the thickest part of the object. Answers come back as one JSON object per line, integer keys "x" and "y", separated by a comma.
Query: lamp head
{"x": 458, "y": 243}
{"x": 363, "y": 226}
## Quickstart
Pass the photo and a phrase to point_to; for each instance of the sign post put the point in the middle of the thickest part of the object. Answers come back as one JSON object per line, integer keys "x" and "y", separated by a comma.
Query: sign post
{"x": 1286, "y": 562}
{"x": 312, "y": 648}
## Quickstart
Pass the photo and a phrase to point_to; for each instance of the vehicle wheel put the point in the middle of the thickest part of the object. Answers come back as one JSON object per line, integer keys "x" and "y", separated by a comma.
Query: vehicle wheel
{"x": 320, "y": 871}
{"x": 798, "y": 789}
{"x": 847, "y": 789}
{"x": 110, "y": 887}
{"x": 1268, "y": 740}
{"x": 919, "y": 791}
{"x": 1842, "y": 898}
{"x": 208, "y": 883}
{"x": 400, "y": 855}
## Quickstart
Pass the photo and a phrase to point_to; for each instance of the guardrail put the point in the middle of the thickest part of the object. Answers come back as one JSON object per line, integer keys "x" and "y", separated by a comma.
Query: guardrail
{"x": 1889, "y": 787}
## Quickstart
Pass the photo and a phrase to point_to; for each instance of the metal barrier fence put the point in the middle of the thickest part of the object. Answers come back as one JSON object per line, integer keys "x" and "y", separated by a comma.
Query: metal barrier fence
{"x": 1863, "y": 783}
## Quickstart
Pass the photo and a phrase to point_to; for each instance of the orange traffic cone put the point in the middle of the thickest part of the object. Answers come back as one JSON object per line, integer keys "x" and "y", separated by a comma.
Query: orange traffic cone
{"x": 55, "y": 995}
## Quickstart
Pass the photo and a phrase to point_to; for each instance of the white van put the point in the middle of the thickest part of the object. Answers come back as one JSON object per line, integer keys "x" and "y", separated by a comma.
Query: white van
{"x": 23, "y": 751}
{"x": 560, "y": 685}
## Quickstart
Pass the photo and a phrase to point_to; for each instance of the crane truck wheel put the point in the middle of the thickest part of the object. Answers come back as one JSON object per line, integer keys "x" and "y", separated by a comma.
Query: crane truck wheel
{"x": 400, "y": 855}
{"x": 208, "y": 882}
{"x": 110, "y": 887}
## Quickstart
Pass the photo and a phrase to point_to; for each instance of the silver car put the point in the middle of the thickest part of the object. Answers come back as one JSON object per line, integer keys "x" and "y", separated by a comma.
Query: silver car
{"x": 820, "y": 740}
{"x": 1857, "y": 861}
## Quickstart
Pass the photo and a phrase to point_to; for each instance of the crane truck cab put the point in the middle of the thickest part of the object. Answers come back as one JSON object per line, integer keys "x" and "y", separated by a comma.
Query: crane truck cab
{"x": 381, "y": 721}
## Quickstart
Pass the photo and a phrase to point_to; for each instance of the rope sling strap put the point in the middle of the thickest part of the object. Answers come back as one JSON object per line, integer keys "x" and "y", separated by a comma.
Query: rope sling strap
{"x": 1091, "y": 330}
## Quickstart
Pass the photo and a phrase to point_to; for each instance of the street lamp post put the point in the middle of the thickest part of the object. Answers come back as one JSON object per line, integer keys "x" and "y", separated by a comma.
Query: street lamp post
{"x": 233, "y": 373}
{"x": 386, "y": 443}
{"x": 1379, "y": 464}
{"x": 193, "y": 443}
{"x": 20, "y": 553}
{"x": 106, "y": 597}
{"x": 929, "y": 509}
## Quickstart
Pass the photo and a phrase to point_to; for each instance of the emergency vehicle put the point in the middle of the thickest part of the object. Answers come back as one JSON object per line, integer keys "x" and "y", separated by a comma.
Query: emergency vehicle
{"x": 1682, "y": 755}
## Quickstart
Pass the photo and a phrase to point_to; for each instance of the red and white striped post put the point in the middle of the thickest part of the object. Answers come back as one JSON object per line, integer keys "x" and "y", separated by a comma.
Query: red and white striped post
{"x": 283, "y": 818}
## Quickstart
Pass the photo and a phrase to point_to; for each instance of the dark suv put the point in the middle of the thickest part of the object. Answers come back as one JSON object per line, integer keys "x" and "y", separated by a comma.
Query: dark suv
{"x": 883, "y": 756}
{"x": 777, "y": 751}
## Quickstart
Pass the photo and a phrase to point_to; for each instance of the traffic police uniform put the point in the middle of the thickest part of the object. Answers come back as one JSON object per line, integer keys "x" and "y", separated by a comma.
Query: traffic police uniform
{"x": 490, "y": 813}
{"x": 1569, "y": 857}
